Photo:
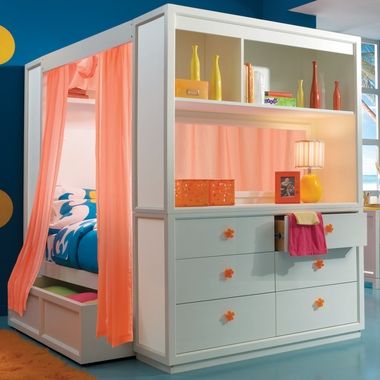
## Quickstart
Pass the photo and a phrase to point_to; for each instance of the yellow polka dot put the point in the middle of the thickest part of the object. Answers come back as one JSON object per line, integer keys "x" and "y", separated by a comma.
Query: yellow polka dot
{"x": 6, "y": 208}
{"x": 7, "y": 45}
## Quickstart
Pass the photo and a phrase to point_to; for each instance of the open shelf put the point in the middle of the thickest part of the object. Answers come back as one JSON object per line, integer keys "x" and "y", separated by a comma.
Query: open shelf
{"x": 236, "y": 112}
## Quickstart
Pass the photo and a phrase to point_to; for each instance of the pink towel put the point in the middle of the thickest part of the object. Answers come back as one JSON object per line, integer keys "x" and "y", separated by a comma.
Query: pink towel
{"x": 306, "y": 240}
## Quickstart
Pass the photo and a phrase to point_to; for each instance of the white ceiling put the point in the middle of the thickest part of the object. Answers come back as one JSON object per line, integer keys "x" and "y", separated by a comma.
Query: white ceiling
{"x": 358, "y": 17}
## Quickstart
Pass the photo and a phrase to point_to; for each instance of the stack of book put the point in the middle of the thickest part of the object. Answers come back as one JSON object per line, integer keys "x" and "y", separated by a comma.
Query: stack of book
{"x": 279, "y": 98}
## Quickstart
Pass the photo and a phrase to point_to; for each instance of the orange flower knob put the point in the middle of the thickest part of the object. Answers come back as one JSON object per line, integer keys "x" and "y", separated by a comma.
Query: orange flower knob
{"x": 318, "y": 264}
{"x": 228, "y": 273}
{"x": 229, "y": 315}
{"x": 319, "y": 302}
{"x": 229, "y": 233}
{"x": 329, "y": 228}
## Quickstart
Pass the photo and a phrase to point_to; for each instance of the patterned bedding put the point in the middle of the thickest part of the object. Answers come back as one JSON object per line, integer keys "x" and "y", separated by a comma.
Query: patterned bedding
{"x": 72, "y": 239}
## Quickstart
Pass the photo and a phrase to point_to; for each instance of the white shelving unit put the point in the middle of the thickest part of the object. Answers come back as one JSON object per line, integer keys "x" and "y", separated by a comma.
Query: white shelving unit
{"x": 201, "y": 316}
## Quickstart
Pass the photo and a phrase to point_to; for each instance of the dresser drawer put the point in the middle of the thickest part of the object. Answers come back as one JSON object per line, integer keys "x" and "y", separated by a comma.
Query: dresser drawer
{"x": 316, "y": 308}
{"x": 223, "y": 236}
{"x": 341, "y": 231}
{"x": 203, "y": 325}
{"x": 338, "y": 265}
{"x": 224, "y": 276}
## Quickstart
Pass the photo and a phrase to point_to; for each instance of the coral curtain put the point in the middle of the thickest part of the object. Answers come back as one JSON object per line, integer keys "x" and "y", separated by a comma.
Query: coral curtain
{"x": 114, "y": 203}
{"x": 31, "y": 255}
{"x": 227, "y": 152}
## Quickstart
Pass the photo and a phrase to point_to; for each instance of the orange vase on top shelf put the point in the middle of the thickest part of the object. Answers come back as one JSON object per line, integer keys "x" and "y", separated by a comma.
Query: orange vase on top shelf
{"x": 315, "y": 101}
{"x": 336, "y": 97}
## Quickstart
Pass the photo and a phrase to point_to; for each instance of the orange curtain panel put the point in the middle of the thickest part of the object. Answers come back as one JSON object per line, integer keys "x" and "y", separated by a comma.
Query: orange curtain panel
{"x": 31, "y": 255}
{"x": 226, "y": 152}
{"x": 114, "y": 192}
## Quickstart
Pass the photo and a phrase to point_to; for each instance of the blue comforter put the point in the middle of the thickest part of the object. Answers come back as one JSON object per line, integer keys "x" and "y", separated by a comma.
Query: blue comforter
{"x": 75, "y": 246}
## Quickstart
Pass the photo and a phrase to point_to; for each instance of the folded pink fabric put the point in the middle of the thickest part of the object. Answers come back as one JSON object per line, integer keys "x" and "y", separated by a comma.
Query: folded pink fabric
{"x": 83, "y": 297}
{"x": 305, "y": 240}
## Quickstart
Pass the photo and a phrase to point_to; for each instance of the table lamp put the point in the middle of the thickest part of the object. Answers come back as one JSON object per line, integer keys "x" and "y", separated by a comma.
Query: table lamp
{"x": 310, "y": 154}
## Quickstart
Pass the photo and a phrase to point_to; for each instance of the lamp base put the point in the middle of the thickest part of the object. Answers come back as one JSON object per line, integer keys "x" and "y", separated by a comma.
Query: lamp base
{"x": 311, "y": 189}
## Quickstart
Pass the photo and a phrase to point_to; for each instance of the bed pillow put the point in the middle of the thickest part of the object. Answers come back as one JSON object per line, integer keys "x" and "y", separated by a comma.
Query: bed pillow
{"x": 62, "y": 193}
{"x": 71, "y": 206}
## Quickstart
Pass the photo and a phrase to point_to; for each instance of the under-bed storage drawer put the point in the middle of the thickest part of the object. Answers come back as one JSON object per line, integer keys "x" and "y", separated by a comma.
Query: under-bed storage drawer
{"x": 65, "y": 325}
{"x": 341, "y": 231}
{"x": 316, "y": 308}
{"x": 223, "y": 236}
{"x": 209, "y": 278}
{"x": 337, "y": 266}
{"x": 208, "y": 324}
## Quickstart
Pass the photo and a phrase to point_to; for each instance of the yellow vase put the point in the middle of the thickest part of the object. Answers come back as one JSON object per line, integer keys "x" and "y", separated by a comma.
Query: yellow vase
{"x": 300, "y": 97}
{"x": 195, "y": 71}
{"x": 216, "y": 80}
{"x": 311, "y": 189}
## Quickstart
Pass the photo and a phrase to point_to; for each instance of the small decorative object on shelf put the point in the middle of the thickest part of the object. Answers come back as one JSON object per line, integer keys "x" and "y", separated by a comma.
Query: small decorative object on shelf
{"x": 310, "y": 154}
{"x": 204, "y": 192}
{"x": 336, "y": 97}
{"x": 216, "y": 80}
{"x": 315, "y": 101}
{"x": 300, "y": 102}
{"x": 188, "y": 88}
{"x": 287, "y": 187}
{"x": 249, "y": 82}
{"x": 195, "y": 71}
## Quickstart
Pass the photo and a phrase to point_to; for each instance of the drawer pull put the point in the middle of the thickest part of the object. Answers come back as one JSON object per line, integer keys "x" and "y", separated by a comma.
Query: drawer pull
{"x": 329, "y": 228}
{"x": 229, "y": 233}
{"x": 228, "y": 273}
{"x": 318, "y": 303}
{"x": 318, "y": 264}
{"x": 229, "y": 315}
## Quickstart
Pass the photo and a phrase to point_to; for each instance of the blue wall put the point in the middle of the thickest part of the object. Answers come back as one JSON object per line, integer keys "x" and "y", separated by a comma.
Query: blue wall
{"x": 11, "y": 169}
{"x": 40, "y": 27}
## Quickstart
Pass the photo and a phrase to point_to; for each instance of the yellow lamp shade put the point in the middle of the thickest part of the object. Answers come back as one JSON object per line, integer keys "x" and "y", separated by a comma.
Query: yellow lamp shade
{"x": 311, "y": 189}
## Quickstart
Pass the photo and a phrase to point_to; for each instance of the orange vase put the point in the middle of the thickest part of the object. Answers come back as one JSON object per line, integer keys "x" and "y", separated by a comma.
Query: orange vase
{"x": 315, "y": 101}
{"x": 336, "y": 97}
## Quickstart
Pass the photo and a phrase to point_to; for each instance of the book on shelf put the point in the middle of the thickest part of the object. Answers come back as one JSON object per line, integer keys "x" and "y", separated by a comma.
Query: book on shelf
{"x": 280, "y": 101}
{"x": 282, "y": 94}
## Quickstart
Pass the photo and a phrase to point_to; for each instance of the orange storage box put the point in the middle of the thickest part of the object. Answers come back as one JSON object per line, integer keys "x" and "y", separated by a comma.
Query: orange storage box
{"x": 187, "y": 88}
{"x": 204, "y": 192}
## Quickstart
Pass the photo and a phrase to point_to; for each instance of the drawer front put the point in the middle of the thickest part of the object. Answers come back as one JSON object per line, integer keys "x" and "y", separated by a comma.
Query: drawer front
{"x": 203, "y": 325}
{"x": 337, "y": 266}
{"x": 316, "y": 308}
{"x": 341, "y": 231}
{"x": 223, "y": 236}
{"x": 349, "y": 230}
{"x": 224, "y": 276}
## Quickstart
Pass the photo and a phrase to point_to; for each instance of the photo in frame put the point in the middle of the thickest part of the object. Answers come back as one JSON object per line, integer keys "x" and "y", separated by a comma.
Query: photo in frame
{"x": 287, "y": 187}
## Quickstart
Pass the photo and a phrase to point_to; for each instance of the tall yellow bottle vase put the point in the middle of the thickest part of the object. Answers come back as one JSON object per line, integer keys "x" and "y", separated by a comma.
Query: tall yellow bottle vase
{"x": 195, "y": 70}
{"x": 216, "y": 80}
{"x": 300, "y": 100}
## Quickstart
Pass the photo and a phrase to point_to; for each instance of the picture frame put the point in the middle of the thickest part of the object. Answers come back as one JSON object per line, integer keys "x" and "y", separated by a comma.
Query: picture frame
{"x": 287, "y": 187}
